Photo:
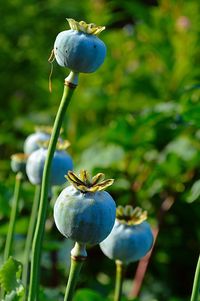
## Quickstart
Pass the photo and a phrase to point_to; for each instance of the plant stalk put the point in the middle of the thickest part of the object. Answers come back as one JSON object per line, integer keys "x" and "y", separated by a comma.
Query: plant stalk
{"x": 11, "y": 227}
{"x": 39, "y": 231}
{"x": 29, "y": 237}
{"x": 119, "y": 280}
{"x": 78, "y": 256}
{"x": 196, "y": 283}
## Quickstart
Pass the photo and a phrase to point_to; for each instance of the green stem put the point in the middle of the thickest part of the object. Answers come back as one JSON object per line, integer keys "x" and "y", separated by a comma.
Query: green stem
{"x": 78, "y": 256}
{"x": 11, "y": 228}
{"x": 39, "y": 231}
{"x": 29, "y": 237}
{"x": 196, "y": 284}
{"x": 119, "y": 280}
{"x": 73, "y": 276}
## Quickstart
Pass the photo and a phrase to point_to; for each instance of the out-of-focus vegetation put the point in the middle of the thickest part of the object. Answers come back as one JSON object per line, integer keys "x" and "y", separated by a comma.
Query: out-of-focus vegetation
{"x": 136, "y": 119}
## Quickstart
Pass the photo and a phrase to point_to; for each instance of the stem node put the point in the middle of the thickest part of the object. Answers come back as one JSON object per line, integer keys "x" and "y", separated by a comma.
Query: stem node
{"x": 78, "y": 256}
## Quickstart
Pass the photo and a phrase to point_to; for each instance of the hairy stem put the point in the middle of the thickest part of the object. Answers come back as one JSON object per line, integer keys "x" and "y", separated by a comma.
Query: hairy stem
{"x": 29, "y": 237}
{"x": 119, "y": 280}
{"x": 11, "y": 228}
{"x": 39, "y": 232}
{"x": 196, "y": 283}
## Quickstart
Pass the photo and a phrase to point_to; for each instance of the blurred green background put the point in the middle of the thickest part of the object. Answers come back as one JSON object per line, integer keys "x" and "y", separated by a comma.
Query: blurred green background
{"x": 136, "y": 119}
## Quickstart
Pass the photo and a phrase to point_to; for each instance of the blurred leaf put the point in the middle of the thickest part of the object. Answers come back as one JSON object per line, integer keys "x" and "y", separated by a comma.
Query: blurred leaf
{"x": 101, "y": 156}
{"x": 13, "y": 296}
{"x": 20, "y": 226}
{"x": 194, "y": 192}
{"x": 175, "y": 299}
{"x": 183, "y": 148}
{"x": 193, "y": 115}
{"x": 52, "y": 245}
{"x": 88, "y": 295}
{"x": 48, "y": 294}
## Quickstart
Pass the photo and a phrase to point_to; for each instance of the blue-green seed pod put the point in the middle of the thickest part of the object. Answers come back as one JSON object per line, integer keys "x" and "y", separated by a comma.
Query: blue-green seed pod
{"x": 83, "y": 212}
{"x": 131, "y": 237}
{"x": 61, "y": 164}
{"x": 41, "y": 134}
{"x": 79, "y": 49}
{"x": 18, "y": 163}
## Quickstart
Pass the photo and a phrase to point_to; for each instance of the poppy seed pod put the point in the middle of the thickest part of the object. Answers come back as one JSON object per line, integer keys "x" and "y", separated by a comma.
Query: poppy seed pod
{"x": 18, "y": 163}
{"x": 61, "y": 164}
{"x": 79, "y": 49}
{"x": 131, "y": 237}
{"x": 83, "y": 212}
{"x": 41, "y": 134}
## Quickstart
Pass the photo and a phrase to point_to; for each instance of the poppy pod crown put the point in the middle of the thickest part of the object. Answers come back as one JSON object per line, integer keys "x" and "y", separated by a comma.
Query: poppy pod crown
{"x": 79, "y": 48}
{"x": 84, "y": 212}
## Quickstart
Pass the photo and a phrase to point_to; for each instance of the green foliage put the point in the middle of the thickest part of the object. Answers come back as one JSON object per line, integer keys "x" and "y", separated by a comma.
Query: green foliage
{"x": 136, "y": 119}
{"x": 10, "y": 281}
{"x": 195, "y": 192}
{"x": 87, "y": 294}
{"x": 13, "y": 296}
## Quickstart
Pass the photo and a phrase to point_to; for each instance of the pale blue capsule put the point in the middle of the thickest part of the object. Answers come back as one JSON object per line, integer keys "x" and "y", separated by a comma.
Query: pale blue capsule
{"x": 31, "y": 142}
{"x": 18, "y": 166}
{"x": 61, "y": 164}
{"x": 79, "y": 51}
{"x": 18, "y": 163}
{"x": 84, "y": 217}
{"x": 128, "y": 243}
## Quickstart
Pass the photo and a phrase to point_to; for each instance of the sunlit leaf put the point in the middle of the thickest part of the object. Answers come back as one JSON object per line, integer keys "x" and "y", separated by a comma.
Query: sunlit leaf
{"x": 194, "y": 192}
{"x": 10, "y": 274}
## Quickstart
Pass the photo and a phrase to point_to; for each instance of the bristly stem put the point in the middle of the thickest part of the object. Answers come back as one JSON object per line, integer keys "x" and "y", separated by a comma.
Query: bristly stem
{"x": 29, "y": 237}
{"x": 119, "y": 280}
{"x": 78, "y": 256}
{"x": 11, "y": 228}
{"x": 39, "y": 231}
{"x": 196, "y": 283}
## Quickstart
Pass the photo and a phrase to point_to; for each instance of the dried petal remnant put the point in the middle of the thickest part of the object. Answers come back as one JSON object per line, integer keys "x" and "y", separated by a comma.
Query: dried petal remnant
{"x": 85, "y": 184}
{"x": 130, "y": 216}
{"x": 90, "y": 28}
